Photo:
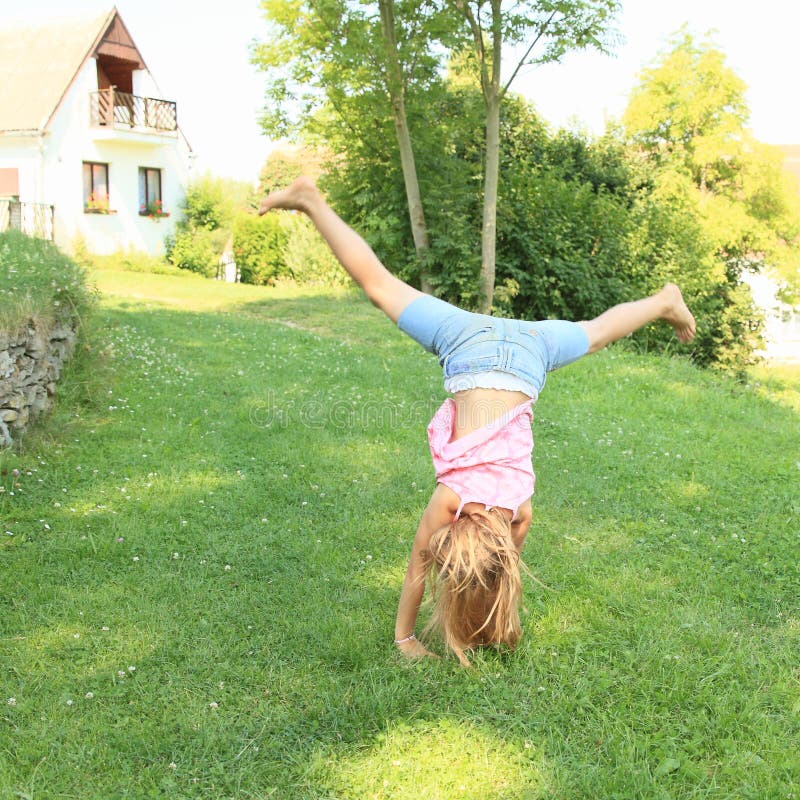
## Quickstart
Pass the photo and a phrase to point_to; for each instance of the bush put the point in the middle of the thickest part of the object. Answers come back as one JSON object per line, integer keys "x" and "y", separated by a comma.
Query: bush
{"x": 197, "y": 250}
{"x": 212, "y": 203}
{"x": 258, "y": 247}
{"x": 38, "y": 281}
{"x": 200, "y": 236}
{"x": 132, "y": 261}
{"x": 308, "y": 258}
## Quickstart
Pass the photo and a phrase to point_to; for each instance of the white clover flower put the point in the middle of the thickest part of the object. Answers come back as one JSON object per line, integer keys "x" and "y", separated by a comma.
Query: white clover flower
{"x": 227, "y": 568}
{"x": 131, "y": 669}
{"x": 213, "y": 706}
{"x": 12, "y": 701}
{"x": 69, "y": 702}
{"x": 89, "y": 695}
{"x": 136, "y": 558}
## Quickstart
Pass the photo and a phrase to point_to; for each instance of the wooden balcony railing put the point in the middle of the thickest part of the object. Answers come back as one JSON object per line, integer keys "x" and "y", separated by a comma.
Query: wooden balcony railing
{"x": 110, "y": 108}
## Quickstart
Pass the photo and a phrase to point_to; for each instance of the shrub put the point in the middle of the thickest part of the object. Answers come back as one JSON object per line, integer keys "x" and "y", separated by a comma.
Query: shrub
{"x": 258, "y": 247}
{"x": 132, "y": 261}
{"x": 212, "y": 203}
{"x": 308, "y": 258}
{"x": 200, "y": 236}
{"x": 38, "y": 281}
{"x": 197, "y": 250}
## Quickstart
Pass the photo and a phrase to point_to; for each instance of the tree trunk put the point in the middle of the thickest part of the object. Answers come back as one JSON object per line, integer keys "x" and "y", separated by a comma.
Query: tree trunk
{"x": 394, "y": 83}
{"x": 490, "y": 182}
{"x": 493, "y": 97}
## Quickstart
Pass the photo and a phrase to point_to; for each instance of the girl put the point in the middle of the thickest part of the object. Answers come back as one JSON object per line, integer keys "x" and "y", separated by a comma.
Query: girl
{"x": 472, "y": 531}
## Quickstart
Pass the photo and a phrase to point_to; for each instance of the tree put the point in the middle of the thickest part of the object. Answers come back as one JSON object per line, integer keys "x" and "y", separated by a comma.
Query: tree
{"x": 689, "y": 109}
{"x": 342, "y": 53}
{"x": 688, "y": 114}
{"x": 547, "y": 29}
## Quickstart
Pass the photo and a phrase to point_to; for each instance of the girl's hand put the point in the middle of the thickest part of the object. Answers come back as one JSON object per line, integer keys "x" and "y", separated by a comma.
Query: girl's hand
{"x": 414, "y": 649}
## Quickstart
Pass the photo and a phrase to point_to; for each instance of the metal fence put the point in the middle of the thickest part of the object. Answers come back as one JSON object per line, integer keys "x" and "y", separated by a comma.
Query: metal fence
{"x": 34, "y": 219}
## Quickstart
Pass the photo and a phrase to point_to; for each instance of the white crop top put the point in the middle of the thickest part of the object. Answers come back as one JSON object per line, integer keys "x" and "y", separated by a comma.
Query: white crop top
{"x": 493, "y": 379}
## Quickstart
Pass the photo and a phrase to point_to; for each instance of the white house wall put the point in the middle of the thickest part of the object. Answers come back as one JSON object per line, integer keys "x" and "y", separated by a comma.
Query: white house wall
{"x": 23, "y": 154}
{"x": 145, "y": 86}
{"x": 56, "y": 175}
{"x": 781, "y": 321}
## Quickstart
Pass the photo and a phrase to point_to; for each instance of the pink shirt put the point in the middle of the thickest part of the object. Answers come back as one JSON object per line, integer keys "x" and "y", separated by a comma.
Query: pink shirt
{"x": 491, "y": 465}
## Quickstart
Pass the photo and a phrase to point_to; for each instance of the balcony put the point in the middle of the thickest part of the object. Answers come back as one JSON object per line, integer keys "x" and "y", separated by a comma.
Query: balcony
{"x": 111, "y": 110}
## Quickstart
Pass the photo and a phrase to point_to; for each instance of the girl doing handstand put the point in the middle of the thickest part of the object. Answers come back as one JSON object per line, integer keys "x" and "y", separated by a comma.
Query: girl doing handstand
{"x": 472, "y": 531}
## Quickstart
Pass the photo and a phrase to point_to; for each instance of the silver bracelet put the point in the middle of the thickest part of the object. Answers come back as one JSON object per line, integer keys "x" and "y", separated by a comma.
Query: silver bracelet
{"x": 407, "y": 639}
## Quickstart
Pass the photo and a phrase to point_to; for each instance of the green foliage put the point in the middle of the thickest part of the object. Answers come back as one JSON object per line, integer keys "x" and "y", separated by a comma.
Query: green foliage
{"x": 132, "y": 261}
{"x": 582, "y": 225}
{"x": 284, "y": 164}
{"x": 38, "y": 281}
{"x": 689, "y": 108}
{"x": 689, "y": 116}
{"x": 565, "y": 245}
{"x": 334, "y": 53}
{"x": 197, "y": 250}
{"x": 259, "y": 248}
{"x": 201, "y": 235}
{"x": 365, "y": 183}
{"x": 211, "y": 203}
{"x": 307, "y": 257}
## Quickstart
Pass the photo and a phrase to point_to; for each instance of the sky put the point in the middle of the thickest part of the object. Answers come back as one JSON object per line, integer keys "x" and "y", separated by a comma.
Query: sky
{"x": 198, "y": 54}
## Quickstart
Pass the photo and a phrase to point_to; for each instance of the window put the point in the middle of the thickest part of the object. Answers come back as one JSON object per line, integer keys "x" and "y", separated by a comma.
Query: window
{"x": 150, "y": 204}
{"x": 9, "y": 182}
{"x": 95, "y": 188}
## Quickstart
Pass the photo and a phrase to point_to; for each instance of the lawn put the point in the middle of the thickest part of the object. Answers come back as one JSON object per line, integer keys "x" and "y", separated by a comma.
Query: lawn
{"x": 201, "y": 552}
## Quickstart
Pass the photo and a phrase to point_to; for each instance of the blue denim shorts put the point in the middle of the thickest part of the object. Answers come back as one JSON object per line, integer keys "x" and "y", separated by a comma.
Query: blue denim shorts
{"x": 468, "y": 344}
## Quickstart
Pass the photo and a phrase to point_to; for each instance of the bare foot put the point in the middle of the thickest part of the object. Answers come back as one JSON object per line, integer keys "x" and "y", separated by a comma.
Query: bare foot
{"x": 678, "y": 314}
{"x": 415, "y": 649}
{"x": 298, "y": 196}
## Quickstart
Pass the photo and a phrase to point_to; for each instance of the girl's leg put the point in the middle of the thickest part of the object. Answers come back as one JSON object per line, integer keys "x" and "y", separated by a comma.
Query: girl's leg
{"x": 384, "y": 290}
{"x": 626, "y": 318}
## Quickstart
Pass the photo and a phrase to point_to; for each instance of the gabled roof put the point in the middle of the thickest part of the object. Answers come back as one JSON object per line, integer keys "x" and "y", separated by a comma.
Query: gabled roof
{"x": 38, "y": 64}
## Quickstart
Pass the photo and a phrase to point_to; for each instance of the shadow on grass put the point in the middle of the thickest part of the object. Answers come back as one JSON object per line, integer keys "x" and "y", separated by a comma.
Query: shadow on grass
{"x": 662, "y": 640}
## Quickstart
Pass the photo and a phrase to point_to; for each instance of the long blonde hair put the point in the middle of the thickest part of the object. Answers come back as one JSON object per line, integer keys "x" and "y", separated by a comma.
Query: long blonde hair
{"x": 474, "y": 572}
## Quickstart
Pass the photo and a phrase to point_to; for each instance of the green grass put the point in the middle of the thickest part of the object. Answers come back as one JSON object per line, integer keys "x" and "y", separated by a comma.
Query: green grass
{"x": 224, "y": 500}
{"x": 37, "y": 281}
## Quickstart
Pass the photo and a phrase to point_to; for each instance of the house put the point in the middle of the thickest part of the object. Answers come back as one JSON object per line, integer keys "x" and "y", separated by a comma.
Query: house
{"x": 781, "y": 320}
{"x": 791, "y": 159}
{"x": 90, "y": 153}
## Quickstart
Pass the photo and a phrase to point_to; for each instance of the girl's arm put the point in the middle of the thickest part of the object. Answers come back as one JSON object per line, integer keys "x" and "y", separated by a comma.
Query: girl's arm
{"x": 439, "y": 512}
{"x": 520, "y": 525}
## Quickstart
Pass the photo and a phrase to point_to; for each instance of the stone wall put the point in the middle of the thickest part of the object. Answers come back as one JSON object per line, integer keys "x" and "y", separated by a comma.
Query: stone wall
{"x": 30, "y": 365}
